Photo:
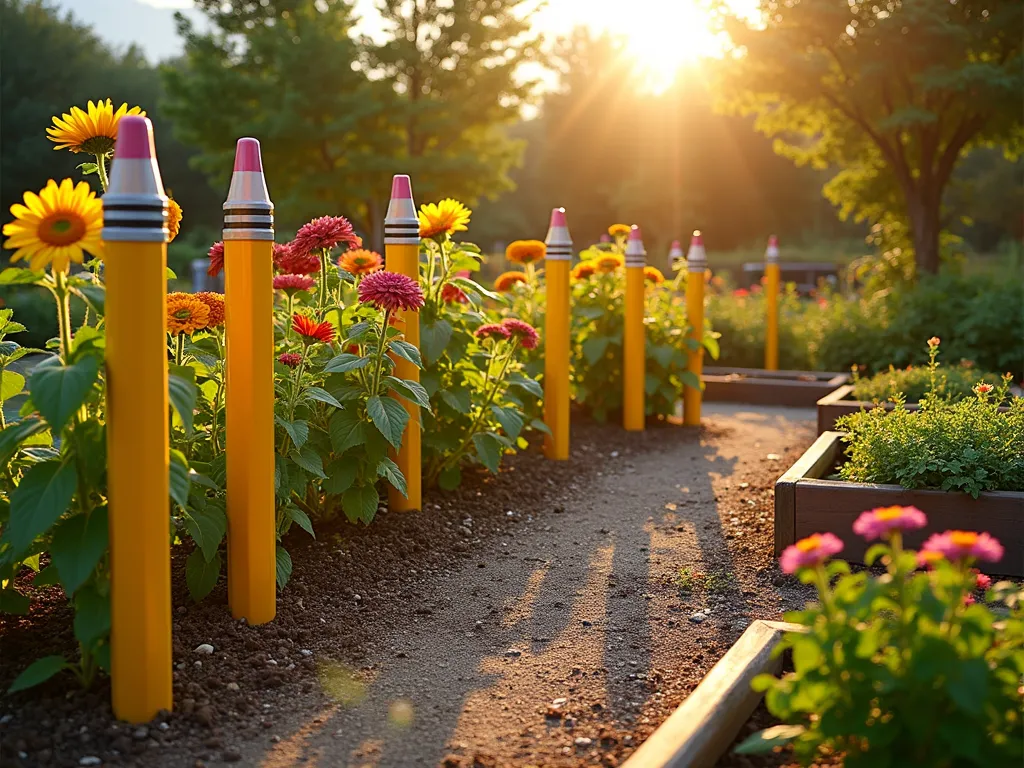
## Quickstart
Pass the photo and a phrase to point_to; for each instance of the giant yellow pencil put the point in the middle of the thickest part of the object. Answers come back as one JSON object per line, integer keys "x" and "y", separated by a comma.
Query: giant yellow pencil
{"x": 771, "y": 291}
{"x": 135, "y": 268}
{"x": 633, "y": 334}
{"x": 249, "y": 327}
{"x": 402, "y": 255}
{"x": 696, "y": 265}
{"x": 675, "y": 256}
{"x": 556, "y": 336}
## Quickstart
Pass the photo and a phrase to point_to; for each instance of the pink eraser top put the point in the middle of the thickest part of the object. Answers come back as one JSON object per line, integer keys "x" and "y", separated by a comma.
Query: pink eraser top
{"x": 773, "y": 240}
{"x": 676, "y": 244}
{"x": 697, "y": 239}
{"x": 558, "y": 217}
{"x": 401, "y": 187}
{"x": 634, "y": 233}
{"x": 134, "y": 139}
{"x": 247, "y": 155}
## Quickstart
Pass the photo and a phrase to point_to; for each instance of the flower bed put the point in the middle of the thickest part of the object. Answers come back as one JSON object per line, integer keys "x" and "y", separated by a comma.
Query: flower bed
{"x": 760, "y": 387}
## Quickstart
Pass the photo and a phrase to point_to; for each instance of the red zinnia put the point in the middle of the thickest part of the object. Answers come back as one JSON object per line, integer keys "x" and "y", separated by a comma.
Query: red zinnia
{"x": 312, "y": 331}
{"x": 292, "y": 261}
{"x": 216, "y": 254}
{"x": 452, "y": 294}
{"x": 291, "y": 283}
{"x": 325, "y": 232}
{"x": 525, "y": 332}
{"x": 291, "y": 359}
{"x": 493, "y": 331}
{"x": 390, "y": 291}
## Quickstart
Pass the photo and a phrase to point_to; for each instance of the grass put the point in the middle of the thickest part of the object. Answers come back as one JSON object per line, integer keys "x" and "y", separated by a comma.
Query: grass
{"x": 689, "y": 579}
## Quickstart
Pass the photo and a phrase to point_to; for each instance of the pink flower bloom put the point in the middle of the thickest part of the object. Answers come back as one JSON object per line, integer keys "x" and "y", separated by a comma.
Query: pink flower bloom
{"x": 291, "y": 359}
{"x": 740, "y": 293}
{"x": 525, "y": 332}
{"x": 294, "y": 262}
{"x": 878, "y": 523}
{"x": 982, "y": 388}
{"x": 390, "y": 291}
{"x": 959, "y": 545}
{"x": 969, "y": 600}
{"x": 934, "y": 341}
{"x": 809, "y": 552}
{"x": 452, "y": 294}
{"x": 216, "y": 254}
{"x": 291, "y": 283}
{"x": 981, "y": 580}
{"x": 325, "y": 232}
{"x": 493, "y": 331}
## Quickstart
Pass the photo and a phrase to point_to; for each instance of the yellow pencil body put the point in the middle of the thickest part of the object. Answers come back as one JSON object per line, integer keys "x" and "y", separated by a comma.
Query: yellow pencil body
{"x": 137, "y": 478}
{"x": 556, "y": 359}
{"x": 771, "y": 334}
{"x": 252, "y": 543}
{"x": 633, "y": 352}
{"x": 405, "y": 259}
{"x": 692, "y": 396}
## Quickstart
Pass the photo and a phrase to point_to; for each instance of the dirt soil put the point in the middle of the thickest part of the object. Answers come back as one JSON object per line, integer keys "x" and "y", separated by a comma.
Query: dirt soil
{"x": 553, "y": 615}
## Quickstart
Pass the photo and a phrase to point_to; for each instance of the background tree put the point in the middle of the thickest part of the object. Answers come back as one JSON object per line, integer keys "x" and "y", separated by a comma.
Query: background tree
{"x": 892, "y": 93}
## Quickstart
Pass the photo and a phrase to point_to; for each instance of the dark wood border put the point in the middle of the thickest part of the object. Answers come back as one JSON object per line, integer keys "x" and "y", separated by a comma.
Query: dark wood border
{"x": 806, "y": 504}
{"x": 760, "y": 387}
{"x": 704, "y": 726}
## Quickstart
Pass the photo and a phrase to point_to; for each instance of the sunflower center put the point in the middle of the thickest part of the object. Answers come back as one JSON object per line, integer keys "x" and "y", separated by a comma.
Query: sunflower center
{"x": 61, "y": 229}
{"x": 97, "y": 145}
{"x": 183, "y": 314}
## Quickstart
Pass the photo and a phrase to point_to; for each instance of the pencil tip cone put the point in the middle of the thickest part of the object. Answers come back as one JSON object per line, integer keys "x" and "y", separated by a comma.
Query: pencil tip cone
{"x": 247, "y": 155}
{"x": 401, "y": 187}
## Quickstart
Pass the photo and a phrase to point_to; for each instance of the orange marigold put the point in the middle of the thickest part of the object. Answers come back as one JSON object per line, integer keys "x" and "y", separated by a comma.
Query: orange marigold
{"x": 360, "y": 262}
{"x": 583, "y": 270}
{"x": 653, "y": 275}
{"x": 609, "y": 262}
{"x": 173, "y": 218}
{"x": 525, "y": 251}
{"x": 186, "y": 313}
{"x": 506, "y": 280}
{"x": 215, "y": 303}
{"x": 619, "y": 230}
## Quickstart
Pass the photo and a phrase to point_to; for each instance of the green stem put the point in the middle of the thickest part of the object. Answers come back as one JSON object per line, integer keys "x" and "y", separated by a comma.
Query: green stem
{"x": 288, "y": 322}
{"x": 321, "y": 299}
{"x": 101, "y": 169}
{"x": 179, "y": 352}
{"x": 380, "y": 352}
{"x": 298, "y": 386}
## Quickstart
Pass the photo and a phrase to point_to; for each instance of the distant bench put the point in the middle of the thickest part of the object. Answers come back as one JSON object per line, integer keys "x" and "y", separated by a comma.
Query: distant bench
{"x": 805, "y": 274}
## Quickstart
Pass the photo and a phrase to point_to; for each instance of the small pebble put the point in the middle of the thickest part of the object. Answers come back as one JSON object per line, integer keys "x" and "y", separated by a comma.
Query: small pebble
{"x": 583, "y": 741}
{"x": 306, "y": 652}
{"x": 513, "y": 652}
{"x": 232, "y": 686}
{"x": 140, "y": 734}
{"x": 205, "y": 648}
{"x": 697, "y": 617}
{"x": 90, "y": 760}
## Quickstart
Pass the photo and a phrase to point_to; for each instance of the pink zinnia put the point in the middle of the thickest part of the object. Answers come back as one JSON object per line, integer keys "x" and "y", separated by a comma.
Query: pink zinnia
{"x": 493, "y": 331}
{"x": 813, "y": 550}
{"x": 878, "y": 523}
{"x": 934, "y": 341}
{"x": 291, "y": 283}
{"x": 981, "y": 580}
{"x": 325, "y": 232}
{"x": 390, "y": 291}
{"x": 291, "y": 359}
{"x": 292, "y": 261}
{"x": 525, "y": 332}
{"x": 959, "y": 545}
{"x": 216, "y": 254}
{"x": 453, "y": 294}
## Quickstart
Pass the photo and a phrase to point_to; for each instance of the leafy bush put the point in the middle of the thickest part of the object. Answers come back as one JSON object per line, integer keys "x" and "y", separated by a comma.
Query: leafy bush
{"x": 914, "y": 382}
{"x": 900, "y": 669}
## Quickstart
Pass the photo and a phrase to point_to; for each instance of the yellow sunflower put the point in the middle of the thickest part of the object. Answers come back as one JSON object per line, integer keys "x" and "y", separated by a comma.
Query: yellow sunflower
{"x": 92, "y": 130}
{"x": 506, "y": 280}
{"x": 186, "y": 313}
{"x": 609, "y": 262}
{"x": 619, "y": 230}
{"x": 583, "y": 270}
{"x": 173, "y": 218}
{"x": 653, "y": 275}
{"x": 526, "y": 251}
{"x": 444, "y": 218}
{"x": 56, "y": 226}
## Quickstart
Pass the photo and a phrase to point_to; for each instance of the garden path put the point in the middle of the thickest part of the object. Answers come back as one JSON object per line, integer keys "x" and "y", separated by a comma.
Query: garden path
{"x": 618, "y": 602}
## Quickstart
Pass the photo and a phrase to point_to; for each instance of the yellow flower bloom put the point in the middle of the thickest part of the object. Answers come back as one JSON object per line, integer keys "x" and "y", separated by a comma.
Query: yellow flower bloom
{"x": 186, "y": 313}
{"x": 583, "y": 270}
{"x": 525, "y": 251}
{"x": 92, "y": 130}
{"x": 653, "y": 275}
{"x": 609, "y": 262}
{"x": 56, "y": 226}
{"x": 619, "y": 230}
{"x": 506, "y": 280}
{"x": 444, "y": 218}
{"x": 173, "y": 218}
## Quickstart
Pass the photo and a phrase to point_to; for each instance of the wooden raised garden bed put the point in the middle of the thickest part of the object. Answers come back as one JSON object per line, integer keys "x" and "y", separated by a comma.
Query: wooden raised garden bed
{"x": 760, "y": 387}
{"x": 704, "y": 726}
{"x": 805, "y": 503}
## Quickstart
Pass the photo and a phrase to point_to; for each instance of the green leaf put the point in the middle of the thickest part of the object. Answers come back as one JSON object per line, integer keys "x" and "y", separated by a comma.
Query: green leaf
{"x": 450, "y": 478}
{"x": 341, "y": 473}
{"x": 284, "y": 566}
{"x": 594, "y": 348}
{"x": 391, "y": 472}
{"x": 690, "y": 379}
{"x": 346, "y": 362}
{"x": 77, "y": 546}
{"x": 201, "y": 575}
{"x": 14, "y": 436}
{"x": 510, "y": 419}
{"x": 389, "y": 416}
{"x": 300, "y": 518}
{"x": 488, "y": 450}
{"x": 92, "y": 615}
{"x": 88, "y": 169}
{"x": 528, "y": 384}
{"x": 15, "y": 603}
{"x": 207, "y": 526}
{"x": 95, "y": 296}
{"x": 45, "y": 578}
{"x": 321, "y": 395}
{"x": 44, "y": 494}
{"x": 968, "y": 683}
{"x": 60, "y": 390}
{"x": 769, "y": 739}
{"x": 183, "y": 393}
{"x": 180, "y": 483}
{"x": 434, "y": 337}
{"x": 347, "y": 430}
{"x": 298, "y": 431}
{"x": 360, "y": 503}
{"x": 20, "y": 276}
{"x": 540, "y": 426}
{"x": 457, "y": 399}
{"x": 406, "y": 351}
{"x": 410, "y": 390}
{"x": 39, "y": 671}
{"x": 309, "y": 460}
{"x": 12, "y": 383}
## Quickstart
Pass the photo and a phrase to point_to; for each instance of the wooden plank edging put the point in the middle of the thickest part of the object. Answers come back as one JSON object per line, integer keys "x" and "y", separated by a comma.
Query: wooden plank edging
{"x": 814, "y": 462}
{"x": 706, "y": 723}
